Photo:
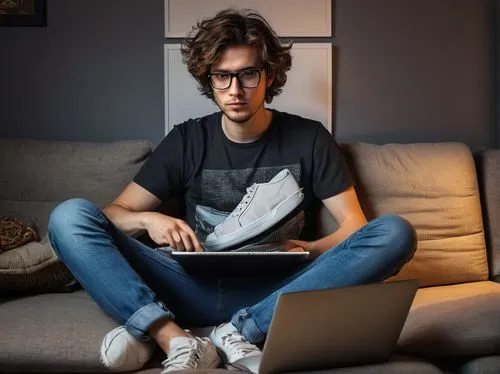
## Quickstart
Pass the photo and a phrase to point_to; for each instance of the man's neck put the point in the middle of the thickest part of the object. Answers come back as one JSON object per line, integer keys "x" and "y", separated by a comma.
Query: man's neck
{"x": 249, "y": 131}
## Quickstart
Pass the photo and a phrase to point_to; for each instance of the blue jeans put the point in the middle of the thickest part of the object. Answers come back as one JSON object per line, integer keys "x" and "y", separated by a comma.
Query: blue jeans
{"x": 137, "y": 285}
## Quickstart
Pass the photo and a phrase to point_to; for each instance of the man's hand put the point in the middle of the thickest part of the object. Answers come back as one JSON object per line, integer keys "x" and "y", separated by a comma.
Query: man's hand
{"x": 301, "y": 246}
{"x": 172, "y": 231}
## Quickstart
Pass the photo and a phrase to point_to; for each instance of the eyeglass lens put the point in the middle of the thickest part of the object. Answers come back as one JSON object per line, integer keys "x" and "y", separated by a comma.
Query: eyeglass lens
{"x": 246, "y": 78}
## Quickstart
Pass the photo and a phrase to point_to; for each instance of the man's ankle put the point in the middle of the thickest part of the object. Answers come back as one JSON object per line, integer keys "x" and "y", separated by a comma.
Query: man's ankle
{"x": 164, "y": 330}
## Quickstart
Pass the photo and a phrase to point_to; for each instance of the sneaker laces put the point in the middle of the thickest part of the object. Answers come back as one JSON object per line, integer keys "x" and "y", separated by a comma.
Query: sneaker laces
{"x": 244, "y": 202}
{"x": 238, "y": 346}
{"x": 184, "y": 357}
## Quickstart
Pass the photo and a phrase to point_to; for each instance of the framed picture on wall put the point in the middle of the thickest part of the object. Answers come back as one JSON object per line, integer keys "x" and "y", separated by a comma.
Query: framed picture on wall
{"x": 23, "y": 12}
{"x": 315, "y": 15}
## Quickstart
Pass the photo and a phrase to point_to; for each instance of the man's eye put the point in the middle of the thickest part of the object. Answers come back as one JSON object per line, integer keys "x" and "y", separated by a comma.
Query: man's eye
{"x": 248, "y": 74}
{"x": 221, "y": 77}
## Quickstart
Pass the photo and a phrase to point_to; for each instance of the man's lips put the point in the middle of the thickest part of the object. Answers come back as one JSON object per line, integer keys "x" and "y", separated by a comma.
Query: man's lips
{"x": 236, "y": 104}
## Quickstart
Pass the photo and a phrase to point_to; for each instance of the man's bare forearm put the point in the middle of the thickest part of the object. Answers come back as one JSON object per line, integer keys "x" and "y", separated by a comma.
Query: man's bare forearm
{"x": 127, "y": 220}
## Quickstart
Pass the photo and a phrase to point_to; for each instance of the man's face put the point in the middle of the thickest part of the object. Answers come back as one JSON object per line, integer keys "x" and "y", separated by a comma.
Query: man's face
{"x": 238, "y": 103}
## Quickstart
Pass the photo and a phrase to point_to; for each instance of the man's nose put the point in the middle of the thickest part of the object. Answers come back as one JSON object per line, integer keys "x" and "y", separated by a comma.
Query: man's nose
{"x": 235, "y": 87}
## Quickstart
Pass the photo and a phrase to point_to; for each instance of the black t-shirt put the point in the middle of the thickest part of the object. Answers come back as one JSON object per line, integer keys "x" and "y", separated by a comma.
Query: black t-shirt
{"x": 197, "y": 162}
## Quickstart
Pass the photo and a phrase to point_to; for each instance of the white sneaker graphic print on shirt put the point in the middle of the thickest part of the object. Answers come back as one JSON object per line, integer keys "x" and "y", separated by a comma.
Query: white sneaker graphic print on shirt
{"x": 264, "y": 205}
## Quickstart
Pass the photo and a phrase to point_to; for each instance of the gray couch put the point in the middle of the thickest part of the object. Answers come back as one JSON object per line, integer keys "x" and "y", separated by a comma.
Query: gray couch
{"x": 48, "y": 324}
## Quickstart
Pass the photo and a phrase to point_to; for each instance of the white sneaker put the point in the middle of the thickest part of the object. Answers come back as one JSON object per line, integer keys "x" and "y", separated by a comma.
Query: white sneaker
{"x": 264, "y": 205}
{"x": 120, "y": 351}
{"x": 190, "y": 353}
{"x": 234, "y": 349}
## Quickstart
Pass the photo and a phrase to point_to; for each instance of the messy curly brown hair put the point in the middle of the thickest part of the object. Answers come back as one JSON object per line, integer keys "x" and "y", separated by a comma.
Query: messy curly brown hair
{"x": 210, "y": 37}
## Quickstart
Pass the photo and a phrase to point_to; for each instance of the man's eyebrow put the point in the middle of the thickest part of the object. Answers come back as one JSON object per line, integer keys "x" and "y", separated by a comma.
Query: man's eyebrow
{"x": 252, "y": 67}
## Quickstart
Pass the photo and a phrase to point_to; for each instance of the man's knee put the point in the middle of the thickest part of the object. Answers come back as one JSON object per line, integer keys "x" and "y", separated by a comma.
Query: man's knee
{"x": 68, "y": 212}
{"x": 399, "y": 234}
{"x": 67, "y": 220}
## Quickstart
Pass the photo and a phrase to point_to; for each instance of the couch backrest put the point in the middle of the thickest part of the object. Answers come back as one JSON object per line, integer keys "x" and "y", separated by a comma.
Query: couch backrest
{"x": 36, "y": 175}
{"x": 488, "y": 165}
{"x": 434, "y": 186}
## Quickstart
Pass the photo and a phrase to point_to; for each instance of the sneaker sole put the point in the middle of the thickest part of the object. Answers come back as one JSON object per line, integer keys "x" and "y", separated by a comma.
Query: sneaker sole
{"x": 279, "y": 212}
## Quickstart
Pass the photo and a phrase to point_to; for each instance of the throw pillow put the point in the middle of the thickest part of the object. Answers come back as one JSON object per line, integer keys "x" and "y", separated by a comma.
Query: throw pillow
{"x": 28, "y": 264}
{"x": 14, "y": 233}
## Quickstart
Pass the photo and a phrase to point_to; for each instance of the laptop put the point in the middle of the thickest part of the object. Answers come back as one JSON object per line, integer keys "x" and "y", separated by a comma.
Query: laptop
{"x": 249, "y": 259}
{"x": 333, "y": 328}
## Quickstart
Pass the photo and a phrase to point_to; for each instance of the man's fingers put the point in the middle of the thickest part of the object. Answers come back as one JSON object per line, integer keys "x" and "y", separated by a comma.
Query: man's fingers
{"x": 186, "y": 241}
{"x": 198, "y": 247}
{"x": 196, "y": 244}
{"x": 179, "y": 245}
{"x": 290, "y": 244}
{"x": 167, "y": 238}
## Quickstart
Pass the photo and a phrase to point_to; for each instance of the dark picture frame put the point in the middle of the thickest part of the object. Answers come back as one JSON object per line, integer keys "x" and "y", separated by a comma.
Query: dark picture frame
{"x": 23, "y": 13}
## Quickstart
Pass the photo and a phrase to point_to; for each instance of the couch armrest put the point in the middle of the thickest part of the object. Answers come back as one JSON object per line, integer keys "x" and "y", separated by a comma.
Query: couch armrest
{"x": 488, "y": 167}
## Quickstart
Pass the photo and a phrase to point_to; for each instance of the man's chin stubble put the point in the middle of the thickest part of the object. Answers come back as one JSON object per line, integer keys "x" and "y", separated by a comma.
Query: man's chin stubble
{"x": 238, "y": 119}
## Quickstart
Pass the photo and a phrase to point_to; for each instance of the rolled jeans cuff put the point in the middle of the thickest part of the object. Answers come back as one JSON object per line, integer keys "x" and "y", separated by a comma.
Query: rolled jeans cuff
{"x": 245, "y": 324}
{"x": 139, "y": 323}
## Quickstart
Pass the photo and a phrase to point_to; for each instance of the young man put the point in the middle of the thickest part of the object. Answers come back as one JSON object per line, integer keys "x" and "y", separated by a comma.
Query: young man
{"x": 210, "y": 162}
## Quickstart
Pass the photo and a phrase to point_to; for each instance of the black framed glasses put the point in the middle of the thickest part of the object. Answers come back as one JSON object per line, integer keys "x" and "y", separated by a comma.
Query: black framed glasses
{"x": 247, "y": 78}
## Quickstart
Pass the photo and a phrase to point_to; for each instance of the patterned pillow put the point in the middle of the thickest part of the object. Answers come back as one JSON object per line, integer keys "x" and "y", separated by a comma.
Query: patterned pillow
{"x": 14, "y": 233}
{"x": 28, "y": 264}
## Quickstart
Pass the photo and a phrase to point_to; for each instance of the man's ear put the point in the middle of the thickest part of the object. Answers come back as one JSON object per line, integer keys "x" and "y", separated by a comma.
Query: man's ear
{"x": 269, "y": 79}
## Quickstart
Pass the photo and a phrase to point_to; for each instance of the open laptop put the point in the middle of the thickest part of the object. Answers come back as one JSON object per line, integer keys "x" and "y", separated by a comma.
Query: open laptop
{"x": 334, "y": 328}
{"x": 246, "y": 259}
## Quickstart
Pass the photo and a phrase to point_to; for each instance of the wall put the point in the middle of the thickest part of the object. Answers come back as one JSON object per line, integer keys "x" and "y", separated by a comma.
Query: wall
{"x": 407, "y": 70}
{"x": 414, "y": 71}
{"x": 94, "y": 73}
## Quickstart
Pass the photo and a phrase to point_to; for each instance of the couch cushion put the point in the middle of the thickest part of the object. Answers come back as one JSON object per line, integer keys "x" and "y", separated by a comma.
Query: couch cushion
{"x": 434, "y": 186}
{"x": 33, "y": 170}
{"x": 489, "y": 182}
{"x": 397, "y": 365}
{"x": 52, "y": 332}
{"x": 457, "y": 320}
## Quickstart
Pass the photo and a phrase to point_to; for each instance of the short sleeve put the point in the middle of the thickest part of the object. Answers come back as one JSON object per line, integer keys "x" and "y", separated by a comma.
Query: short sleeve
{"x": 162, "y": 174}
{"x": 331, "y": 175}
